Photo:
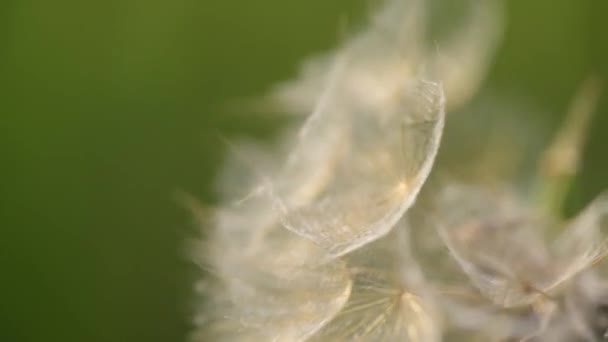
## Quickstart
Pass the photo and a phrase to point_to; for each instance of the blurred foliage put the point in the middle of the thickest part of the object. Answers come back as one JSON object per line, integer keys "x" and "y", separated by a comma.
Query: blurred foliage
{"x": 108, "y": 108}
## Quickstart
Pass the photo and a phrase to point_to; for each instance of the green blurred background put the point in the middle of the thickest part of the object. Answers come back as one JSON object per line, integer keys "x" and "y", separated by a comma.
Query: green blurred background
{"x": 107, "y": 108}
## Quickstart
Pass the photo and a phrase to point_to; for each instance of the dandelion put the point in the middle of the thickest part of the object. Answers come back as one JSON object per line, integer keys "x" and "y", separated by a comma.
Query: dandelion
{"x": 322, "y": 242}
{"x": 264, "y": 281}
{"x": 395, "y": 46}
{"x": 388, "y": 300}
{"x": 378, "y": 176}
{"x": 276, "y": 258}
{"x": 506, "y": 243}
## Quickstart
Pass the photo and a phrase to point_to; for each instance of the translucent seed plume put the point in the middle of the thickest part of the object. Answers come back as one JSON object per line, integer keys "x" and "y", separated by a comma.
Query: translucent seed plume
{"x": 321, "y": 238}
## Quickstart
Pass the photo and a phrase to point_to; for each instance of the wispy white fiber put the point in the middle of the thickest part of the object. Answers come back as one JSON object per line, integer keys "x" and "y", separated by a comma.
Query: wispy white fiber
{"x": 318, "y": 239}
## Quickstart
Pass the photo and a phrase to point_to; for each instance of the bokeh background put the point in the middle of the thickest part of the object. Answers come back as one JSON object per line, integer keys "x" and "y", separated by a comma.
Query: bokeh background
{"x": 108, "y": 108}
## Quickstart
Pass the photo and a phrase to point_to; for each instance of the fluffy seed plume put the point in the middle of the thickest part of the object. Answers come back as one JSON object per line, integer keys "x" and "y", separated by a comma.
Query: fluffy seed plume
{"x": 322, "y": 242}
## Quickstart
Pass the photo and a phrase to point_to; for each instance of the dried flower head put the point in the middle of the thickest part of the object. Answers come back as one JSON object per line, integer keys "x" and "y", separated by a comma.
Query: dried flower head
{"x": 527, "y": 268}
{"x": 325, "y": 244}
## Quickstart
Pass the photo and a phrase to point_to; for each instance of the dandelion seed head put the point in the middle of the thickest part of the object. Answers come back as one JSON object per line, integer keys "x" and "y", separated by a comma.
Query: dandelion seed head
{"x": 388, "y": 301}
{"x": 321, "y": 242}
{"x": 395, "y": 47}
{"x": 360, "y": 204}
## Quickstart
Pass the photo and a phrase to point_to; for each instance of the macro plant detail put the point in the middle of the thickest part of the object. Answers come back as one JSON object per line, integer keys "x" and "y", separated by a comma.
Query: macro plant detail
{"x": 532, "y": 274}
{"x": 324, "y": 242}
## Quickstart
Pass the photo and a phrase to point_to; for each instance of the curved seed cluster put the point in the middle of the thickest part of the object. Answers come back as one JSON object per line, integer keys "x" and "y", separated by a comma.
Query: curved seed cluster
{"x": 326, "y": 245}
